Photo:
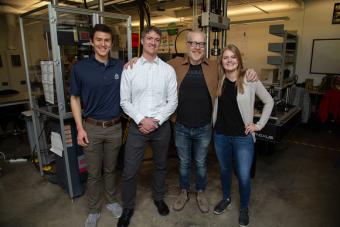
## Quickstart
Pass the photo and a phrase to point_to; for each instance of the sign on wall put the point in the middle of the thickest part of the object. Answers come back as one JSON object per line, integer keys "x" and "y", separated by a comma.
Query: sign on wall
{"x": 336, "y": 14}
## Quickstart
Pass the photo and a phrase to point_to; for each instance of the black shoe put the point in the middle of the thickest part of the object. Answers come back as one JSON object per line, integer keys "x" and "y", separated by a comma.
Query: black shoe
{"x": 124, "y": 220}
{"x": 162, "y": 208}
{"x": 244, "y": 217}
{"x": 222, "y": 205}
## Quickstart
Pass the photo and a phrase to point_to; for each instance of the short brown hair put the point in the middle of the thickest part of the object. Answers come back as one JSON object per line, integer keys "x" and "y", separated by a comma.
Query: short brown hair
{"x": 150, "y": 29}
{"x": 100, "y": 28}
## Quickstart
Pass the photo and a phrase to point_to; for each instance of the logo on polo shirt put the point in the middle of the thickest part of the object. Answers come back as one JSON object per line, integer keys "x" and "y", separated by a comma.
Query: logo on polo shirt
{"x": 116, "y": 76}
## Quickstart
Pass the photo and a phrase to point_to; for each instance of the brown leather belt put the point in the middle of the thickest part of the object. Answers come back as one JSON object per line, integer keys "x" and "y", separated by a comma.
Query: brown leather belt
{"x": 104, "y": 124}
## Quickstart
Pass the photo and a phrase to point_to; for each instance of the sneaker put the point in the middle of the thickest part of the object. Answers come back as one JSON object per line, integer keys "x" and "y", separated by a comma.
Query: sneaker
{"x": 202, "y": 202}
{"x": 181, "y": 200}
{"x": 244, "y": 217}
{"x": 222, "y": 205}
{"x": 92, "y": 220}
{"x": 115, "y": 209}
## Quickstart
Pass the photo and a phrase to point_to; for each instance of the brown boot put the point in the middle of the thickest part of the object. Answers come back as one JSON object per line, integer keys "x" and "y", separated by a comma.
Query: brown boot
{"x": 181, "y": 200}
{"x": 202, "y": 202}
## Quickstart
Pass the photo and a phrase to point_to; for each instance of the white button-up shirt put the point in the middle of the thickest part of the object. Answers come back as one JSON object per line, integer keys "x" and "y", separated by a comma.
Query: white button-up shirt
{"x": 149, "y": 89}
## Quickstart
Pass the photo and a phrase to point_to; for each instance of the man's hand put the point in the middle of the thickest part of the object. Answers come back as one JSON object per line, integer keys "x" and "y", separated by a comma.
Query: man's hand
{"x": 148, "y": 125}
{"x": 250, "y": 128}
{"x": 251, "y": 75}
{"x": 82, "y": 138}
{"x": 130, "y": 63}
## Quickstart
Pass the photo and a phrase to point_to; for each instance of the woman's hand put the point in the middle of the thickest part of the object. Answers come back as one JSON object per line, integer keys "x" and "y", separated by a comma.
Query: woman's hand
{"x": 250, "y": 128}
{"x": 251, "y": 75}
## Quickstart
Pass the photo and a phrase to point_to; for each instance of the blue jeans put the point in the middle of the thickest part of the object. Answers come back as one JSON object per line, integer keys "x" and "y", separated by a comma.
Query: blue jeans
{"x": 241, "y": 149}
{"x": 192, "y": 142}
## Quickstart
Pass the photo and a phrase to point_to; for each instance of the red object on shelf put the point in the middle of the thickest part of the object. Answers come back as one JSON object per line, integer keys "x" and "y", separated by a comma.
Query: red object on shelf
{"x": 135, "y": 40}
{"x": 330, "y": 104}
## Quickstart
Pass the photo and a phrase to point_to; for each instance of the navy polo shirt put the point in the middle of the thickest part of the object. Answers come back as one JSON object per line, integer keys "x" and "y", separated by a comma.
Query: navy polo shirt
{"x": 98, "y": 85}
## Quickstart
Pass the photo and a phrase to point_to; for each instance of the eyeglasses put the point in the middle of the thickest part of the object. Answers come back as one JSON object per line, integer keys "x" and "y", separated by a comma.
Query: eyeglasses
{"x": 196, "y": 44}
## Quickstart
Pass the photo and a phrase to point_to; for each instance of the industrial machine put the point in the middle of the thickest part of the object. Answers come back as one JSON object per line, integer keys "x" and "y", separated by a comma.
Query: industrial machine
{"x": 53, "y": 39}
{"x": 214, "y": 19}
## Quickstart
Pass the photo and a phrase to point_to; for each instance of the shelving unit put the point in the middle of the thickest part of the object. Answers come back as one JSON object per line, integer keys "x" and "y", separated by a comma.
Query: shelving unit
{"x": 64, "y": 30}
{"x": 284, "y": 58}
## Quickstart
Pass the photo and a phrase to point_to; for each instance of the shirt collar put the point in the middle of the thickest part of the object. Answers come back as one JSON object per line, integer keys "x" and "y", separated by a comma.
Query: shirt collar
{"x": 111, "y": 61}
{"x": 143, "y": 60}
{"x": 187, "y": 61}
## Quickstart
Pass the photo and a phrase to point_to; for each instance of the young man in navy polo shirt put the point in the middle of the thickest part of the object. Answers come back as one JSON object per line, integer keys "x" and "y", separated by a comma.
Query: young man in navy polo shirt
{"x": 95, "y": 86}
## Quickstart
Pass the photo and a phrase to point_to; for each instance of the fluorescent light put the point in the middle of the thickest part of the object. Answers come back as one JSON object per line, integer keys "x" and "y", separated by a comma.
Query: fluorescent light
{"x": 161, "y": 20}
{"x": 269, "y": 7}
{"x": 81, "y": 1}
{"x": 261, "y": 20}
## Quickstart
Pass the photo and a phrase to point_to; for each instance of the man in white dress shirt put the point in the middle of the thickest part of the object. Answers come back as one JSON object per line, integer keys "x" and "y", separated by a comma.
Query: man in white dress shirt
{"x": 149, "y": 96}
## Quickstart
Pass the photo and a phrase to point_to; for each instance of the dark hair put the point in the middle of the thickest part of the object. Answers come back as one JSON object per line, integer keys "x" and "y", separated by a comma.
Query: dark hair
{"x": 100, "y": 28}
{"x": 150, "y": 29}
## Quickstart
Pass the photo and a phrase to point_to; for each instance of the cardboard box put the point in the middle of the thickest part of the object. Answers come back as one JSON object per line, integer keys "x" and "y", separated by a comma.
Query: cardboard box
{"x": 269, "y": 76}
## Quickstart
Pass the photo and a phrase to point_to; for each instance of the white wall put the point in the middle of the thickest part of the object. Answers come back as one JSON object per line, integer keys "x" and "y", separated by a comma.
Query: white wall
{"x": 312, "y": 22}
{"x": 36, "y": 51}
{"x": 317, "y": 25}
{"x": 8, "y": 73}
{"x": 3, "y": 48}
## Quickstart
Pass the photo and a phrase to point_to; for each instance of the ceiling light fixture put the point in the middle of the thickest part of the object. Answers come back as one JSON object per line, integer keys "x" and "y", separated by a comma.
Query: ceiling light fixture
{"x": 161, "y": 20}
{"x": 261, "y": 20}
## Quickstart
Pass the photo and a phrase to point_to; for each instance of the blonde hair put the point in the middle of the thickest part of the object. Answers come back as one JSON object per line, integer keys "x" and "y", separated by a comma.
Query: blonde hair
{"x": 222, "y": 72}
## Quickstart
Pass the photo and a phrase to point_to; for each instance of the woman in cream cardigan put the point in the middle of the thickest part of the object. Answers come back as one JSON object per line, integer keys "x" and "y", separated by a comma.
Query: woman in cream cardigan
{"x": 234, "y": 134}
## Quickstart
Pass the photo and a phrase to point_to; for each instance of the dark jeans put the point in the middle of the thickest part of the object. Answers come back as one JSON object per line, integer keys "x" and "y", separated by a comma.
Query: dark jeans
{"x": 192, "y": 141}
{"x": 101, "y": 157}
{"x": 134, "y": 154}
{"x": 242, "y": 150}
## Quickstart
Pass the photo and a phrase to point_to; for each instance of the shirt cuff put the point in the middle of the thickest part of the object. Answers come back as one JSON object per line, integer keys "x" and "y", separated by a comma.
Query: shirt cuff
{"x": 138, "y": 118}
{"x": 160, "y": 118}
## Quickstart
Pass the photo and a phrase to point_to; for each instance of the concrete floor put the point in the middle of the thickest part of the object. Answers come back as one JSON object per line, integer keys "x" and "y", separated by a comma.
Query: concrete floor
{"x": 297, "y": 185}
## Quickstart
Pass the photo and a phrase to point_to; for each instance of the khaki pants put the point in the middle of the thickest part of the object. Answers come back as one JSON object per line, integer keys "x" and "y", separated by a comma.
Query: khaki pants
{"x": 101, "y": 157}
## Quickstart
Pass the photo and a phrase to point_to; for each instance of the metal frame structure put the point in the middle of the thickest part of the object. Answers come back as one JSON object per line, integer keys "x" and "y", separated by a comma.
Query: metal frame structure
{"x": 62, "y": 114}
{"x": 280, "y": 60}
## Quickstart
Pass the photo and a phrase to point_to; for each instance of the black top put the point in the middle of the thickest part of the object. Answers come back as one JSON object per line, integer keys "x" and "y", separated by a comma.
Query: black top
{"x": 194, "y": 101}
{"x": 229, "y": 120}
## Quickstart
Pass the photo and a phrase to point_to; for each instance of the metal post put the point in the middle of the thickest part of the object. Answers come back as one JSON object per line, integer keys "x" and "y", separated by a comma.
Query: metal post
{"x": 224, "y": 32}
{"x": 129, "y": 38}
{"x": 59, "y": 87}
{"x": 95, "y": 19}
{"x": 34, "y": 118}
{"x": 194, "y": 15}
{"x": 207, "y": 33}
{"x": 54, "y": 2}
{"x": 101, "y": 9}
